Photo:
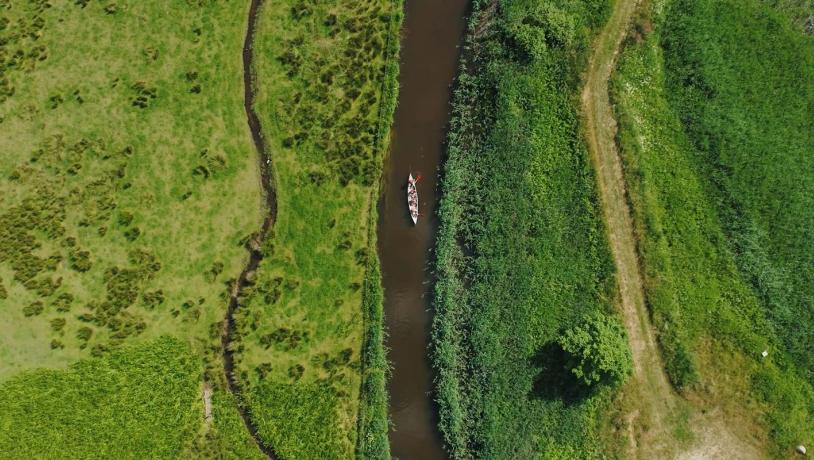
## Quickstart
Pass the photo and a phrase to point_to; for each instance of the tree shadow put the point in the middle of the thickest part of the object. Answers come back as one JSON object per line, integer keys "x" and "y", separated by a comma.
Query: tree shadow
{"x": 554, "y": 381}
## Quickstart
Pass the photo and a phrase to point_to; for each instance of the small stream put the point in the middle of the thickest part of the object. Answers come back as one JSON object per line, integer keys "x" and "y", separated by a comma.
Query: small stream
{"x": 264, "y": 164}
{"x": 433, "y": 31}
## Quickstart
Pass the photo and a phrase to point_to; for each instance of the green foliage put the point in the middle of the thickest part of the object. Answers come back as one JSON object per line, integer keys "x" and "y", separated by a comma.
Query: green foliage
{"x": 521, "y": 251}
{"x": 310, "y": 411}
{"x": 226, "y": 437}
{"x": 747, "y": 115}
{"x": 707, "y": 106}
{"x": 114, "y": 407}
{"x": 598, "y": 350}
{"x": 539, "y": 26}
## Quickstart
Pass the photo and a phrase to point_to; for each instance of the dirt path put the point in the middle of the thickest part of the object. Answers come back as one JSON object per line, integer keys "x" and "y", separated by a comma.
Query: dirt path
{"x": 264, "y": 164}
{"x": 658, "y": 411}
{"x": 656, "y": 399}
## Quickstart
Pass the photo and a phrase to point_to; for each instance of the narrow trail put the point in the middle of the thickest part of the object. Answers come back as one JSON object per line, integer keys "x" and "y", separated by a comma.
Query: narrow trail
{"x": 653, "y": 422}
{"x": 657, "y": 400}
{"x": 255, "y": 255}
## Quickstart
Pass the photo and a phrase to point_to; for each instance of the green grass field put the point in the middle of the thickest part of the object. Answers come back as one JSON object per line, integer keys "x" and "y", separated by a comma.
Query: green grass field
{"x": 111, "y": 407}
{"x": 325, "y": 100}
{"x": 714, "y": 136}
{"x": 127, "y": 182}
{"x": 522, "y": 253}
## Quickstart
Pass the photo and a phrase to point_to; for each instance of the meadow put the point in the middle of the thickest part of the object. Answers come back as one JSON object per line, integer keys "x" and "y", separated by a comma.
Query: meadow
{"x": 128, "y": 182}
{"x": 713, "y": 134}
{"x": 522, "y": 255}
{"x": 309, "y": 352}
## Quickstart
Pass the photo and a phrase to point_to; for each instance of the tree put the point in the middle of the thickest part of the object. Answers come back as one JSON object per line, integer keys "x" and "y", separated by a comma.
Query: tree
{"x": 598, "y": 351}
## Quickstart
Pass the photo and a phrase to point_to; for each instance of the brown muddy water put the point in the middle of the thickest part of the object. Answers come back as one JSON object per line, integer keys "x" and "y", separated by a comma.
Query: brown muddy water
{"x": 433, "y": 31}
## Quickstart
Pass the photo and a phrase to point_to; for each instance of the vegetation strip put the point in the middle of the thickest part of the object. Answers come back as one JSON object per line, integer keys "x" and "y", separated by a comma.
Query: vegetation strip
{"x": 303, "y": 315}
{"x": 372, "y": 416}
{"x": 527, "y": 346}
{"x": 253, "y": 245}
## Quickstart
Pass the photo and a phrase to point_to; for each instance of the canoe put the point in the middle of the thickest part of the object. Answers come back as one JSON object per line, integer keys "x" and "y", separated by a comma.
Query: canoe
{"x": 412, "y": 198}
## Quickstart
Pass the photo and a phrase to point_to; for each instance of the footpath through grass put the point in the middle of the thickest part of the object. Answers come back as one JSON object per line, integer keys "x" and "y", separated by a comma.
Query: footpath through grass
{"x": 522, "y": 253}
{"x": 714, "y": 105}
{"x": 309, "y": 326}
{"x": 127, "y": 183}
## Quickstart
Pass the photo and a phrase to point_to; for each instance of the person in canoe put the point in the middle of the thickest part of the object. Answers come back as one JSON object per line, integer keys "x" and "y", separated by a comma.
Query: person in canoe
{"x": 412, "y": 197}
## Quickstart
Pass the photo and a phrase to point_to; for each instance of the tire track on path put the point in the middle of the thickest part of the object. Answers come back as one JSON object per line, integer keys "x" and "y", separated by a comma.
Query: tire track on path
{"x": 655, "y": 396}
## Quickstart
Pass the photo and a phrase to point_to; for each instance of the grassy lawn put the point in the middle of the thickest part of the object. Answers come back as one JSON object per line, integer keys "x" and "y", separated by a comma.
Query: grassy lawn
{"x": 325, "y": 99}
{"x": 710, "y": 131}
{"x": 127, "y": 182}
{"x": 522, "y": 253}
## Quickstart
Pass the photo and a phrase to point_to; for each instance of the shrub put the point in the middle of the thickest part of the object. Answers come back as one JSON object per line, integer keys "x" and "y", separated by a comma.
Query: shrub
{"x": 598, "y": 350}
{"x": 84, "y": 333}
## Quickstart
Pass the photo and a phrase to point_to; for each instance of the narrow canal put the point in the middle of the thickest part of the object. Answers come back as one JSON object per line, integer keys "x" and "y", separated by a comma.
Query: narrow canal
{"x": 431, "y": 37}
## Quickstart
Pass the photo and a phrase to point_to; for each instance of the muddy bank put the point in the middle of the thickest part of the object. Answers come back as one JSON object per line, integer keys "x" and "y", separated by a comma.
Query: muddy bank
{"x": 264, "y": 164}
{"x": 431, "y": 37}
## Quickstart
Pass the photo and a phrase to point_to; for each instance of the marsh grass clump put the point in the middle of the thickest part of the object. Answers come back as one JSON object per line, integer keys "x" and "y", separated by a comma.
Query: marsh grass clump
{"x": 144, "y": 93}
{"x": 57, "y": 324}
{"x": 63, "y": 302}
{"x": 33, "y": 309}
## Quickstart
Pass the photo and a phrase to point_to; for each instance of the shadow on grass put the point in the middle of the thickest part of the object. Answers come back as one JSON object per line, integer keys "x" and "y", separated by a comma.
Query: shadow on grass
{"x": 555, "y": 382}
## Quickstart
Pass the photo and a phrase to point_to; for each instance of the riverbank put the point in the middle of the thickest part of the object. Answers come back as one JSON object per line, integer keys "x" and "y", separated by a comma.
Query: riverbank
{"x": 521, "y": 252}
{"x": 308, "y": 350}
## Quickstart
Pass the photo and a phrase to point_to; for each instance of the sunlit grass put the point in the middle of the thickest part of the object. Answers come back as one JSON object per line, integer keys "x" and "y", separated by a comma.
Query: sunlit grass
{"x": 115, "y": 108}
{"x": 322, "y": 76}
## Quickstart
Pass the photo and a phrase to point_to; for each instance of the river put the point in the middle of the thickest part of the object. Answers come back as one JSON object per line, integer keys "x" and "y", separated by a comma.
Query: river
{"x": 431, "y": 36}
